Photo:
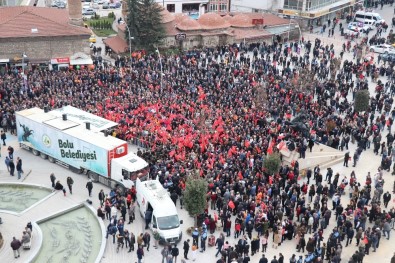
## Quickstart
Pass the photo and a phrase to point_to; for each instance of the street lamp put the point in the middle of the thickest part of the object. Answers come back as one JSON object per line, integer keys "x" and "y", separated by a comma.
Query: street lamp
{"x": 130, "y": 42}
{"x": 161, "y": 69}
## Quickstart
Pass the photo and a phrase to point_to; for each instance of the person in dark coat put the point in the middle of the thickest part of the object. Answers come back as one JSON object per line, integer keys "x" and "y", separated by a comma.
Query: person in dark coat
{"x": 12, "y": 167}
{"x": 386, "y": 198}
{"x": 346, "y": 159}
{"x": 89, "y": 186}
{"x": 16, "y": 245}
{"x": 19, "y": 167}
{"x": 59, "y": 186}
{"x": 186, "y": 248}
{"x": 53, "y": 179}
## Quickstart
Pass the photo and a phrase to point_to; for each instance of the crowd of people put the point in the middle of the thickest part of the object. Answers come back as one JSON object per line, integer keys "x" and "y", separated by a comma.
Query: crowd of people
{"x": 221, "y": 111}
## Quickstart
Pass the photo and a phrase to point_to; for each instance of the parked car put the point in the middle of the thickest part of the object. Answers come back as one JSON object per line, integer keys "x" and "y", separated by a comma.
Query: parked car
{"x": 92, "y": 39}
{"x": 384, "y": 48}
{"x": 118, "y": 5}
{"x": 351, "y": 32}
{"x": 359, "y": 26}
{"x": 62, "y": 5}
{"x": 106, "y": 5}
{"x": 112, "y": 5}
{"x": 88, "y": 12}
{"x": 95, "y": 6}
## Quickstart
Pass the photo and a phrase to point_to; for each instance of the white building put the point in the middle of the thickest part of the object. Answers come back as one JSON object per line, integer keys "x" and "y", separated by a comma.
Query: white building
{"x": 308, "y": 12}
{"x": 255, "y": 5}
{"x": 191, "y": 7}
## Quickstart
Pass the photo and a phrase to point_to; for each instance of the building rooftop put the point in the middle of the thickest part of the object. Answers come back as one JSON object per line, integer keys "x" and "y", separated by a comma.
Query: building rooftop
{"x": 188, "y": 24}
{"x": 166, "y": 16}
{"x": 241, "y": 20}
{"x": 210, "y": 21}
{"x": 29, "y": 21}
{"x": 117, "y": 44}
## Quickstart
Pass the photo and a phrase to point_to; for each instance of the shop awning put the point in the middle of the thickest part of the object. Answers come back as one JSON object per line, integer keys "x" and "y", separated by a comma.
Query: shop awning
{"x": 84, "y": 61}
{"x": 80, "y": 59}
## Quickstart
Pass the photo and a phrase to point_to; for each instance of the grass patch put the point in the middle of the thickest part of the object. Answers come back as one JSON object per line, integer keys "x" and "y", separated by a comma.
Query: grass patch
{"x": 102, "y": 26}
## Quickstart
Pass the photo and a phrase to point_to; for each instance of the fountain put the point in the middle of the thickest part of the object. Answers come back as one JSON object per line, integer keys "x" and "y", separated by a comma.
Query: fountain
{"x": 17, "y": 198}
{"x": 73, "y": 235}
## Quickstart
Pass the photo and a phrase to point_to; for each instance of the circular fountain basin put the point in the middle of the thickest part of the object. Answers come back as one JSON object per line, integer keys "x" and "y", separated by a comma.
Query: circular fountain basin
{"x": 17, "y": 198}
{"x": 74, "y": 235}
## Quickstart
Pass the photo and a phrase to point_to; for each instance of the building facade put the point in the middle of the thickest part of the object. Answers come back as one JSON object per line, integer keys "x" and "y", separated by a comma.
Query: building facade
{"x": 219, "y": 6}
{"x": 255, "y": 6}
{"x": 316, "y": 12}
{"x": 40, "y": 36}
{"x": 193, "y": 8}
{"x": 212, "y": 29}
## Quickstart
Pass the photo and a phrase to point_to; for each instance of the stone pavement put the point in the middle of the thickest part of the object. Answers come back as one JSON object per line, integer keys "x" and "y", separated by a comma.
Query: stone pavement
{"x": 41, "y": 169}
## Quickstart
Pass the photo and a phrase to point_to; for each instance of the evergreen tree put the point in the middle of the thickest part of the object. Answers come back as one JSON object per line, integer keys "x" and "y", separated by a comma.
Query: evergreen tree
{"x": 145, "y": 23}
{"x": 195, "y": 196}
{"x": 272, "y": 163}
{"x": 361, "y": 102}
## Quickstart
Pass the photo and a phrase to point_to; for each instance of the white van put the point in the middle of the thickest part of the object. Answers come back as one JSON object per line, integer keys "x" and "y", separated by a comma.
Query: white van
{"x": 360, "y": 16}
{"x": 152, "y": 196}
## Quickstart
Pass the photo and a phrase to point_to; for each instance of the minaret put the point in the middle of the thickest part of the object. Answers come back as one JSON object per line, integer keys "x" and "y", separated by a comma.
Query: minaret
{"x": 75, "y": 12}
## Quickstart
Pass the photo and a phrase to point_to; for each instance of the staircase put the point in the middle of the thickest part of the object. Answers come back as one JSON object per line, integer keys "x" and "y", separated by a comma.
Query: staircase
{"x": 321, "y": 154}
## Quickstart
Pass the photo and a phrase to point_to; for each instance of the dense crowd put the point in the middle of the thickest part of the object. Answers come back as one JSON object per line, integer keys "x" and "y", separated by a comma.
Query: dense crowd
{"x": 221, "y": 111}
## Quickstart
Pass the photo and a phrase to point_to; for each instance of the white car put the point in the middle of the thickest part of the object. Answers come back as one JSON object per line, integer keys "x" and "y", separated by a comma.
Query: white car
{"x": 351, "y": 32}
{"x": 358, "y": 26}
{"x": 382, "y": 49}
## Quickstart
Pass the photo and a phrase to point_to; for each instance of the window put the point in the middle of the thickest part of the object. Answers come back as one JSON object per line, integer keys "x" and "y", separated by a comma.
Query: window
{"x": 223, "y": 7}
{"x": 317, "y": 4}
{"x": 171, "y": 8}
{"x": 293, "y": 4}
{"x": 168, "y": 222}
{"x": 213, "y": 7}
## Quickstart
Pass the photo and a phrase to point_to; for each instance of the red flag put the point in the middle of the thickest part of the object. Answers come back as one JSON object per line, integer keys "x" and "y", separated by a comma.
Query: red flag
{"x": 171, "y": 153}
{"x": 247, "y": 143}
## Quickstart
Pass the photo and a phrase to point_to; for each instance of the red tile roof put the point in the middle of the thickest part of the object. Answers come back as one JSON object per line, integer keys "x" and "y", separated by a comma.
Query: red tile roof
{"x": 269, "y": 19}
{"x": 170, "y": 28}
{"x": 211, "y": 21}
{"x": 241, "y": 20}
{"x": 117, "y": 44}
{"x": 249, "y": 33}
{"x": 166, "y": 16}
{"x": 188, "y": 24}
{"x": 122, "y": 27}
{"x": 19, "y": 21}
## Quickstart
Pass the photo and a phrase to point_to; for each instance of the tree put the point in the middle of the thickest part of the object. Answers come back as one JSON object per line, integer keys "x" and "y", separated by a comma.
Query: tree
{"x": 145, "y": 23}
{"x": 272, "y": 163}
{"x": 361, "y": 102}
{"x": 195, "y": 196}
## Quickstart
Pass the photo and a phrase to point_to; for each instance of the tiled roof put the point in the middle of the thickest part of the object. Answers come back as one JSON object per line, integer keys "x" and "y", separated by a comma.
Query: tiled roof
{"x": 212, "y": 21}
{"x": 272, "y": 20}
{"x": 241, "y": 20}
{"x": 188, "y": 24}
{"x": 166, "y": 16}
{"x": 117, "y": 44}
{"x": 180, "y": 17}
{"x": 227, "y": 17}
{"x": 269, "y": 19}
{"x": 122, "y": 27}
{"x": 20, "y": 21}
{"x": 170, "y": 29}
{"x": 249, "y": 33}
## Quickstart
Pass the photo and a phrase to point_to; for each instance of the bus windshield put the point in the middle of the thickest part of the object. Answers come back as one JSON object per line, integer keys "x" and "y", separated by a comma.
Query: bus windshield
{"x": 168, "y": 222}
